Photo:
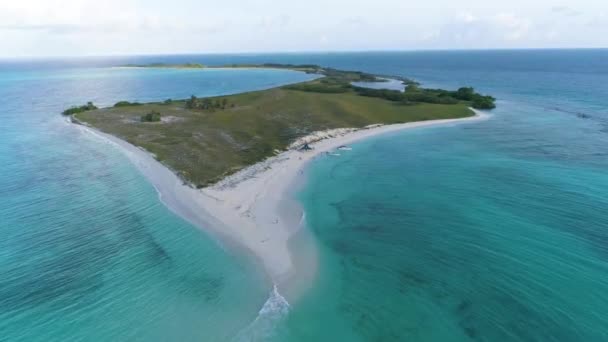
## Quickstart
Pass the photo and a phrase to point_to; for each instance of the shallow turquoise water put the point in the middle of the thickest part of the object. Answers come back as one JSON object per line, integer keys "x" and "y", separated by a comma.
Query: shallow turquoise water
{"x": 88, "y": 252}
{"x": 489, "y": 231}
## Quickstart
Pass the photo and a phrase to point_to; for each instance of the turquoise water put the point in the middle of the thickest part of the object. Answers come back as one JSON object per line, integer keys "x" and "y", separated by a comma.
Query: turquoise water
{"x": 88, "y": 252}
{"x": 488, "y": 231}
{"x": 492, "y": 231}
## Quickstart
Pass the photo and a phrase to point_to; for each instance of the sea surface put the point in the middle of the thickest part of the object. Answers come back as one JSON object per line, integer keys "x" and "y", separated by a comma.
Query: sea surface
{"x": 487, "y": 231}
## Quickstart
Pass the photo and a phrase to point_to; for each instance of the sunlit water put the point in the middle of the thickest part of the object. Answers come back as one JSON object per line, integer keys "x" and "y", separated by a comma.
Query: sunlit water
{"x": 488, "y": 231}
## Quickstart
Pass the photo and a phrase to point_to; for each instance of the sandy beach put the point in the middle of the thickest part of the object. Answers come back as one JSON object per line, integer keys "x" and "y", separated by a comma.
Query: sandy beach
{"x": 251, "y": 207}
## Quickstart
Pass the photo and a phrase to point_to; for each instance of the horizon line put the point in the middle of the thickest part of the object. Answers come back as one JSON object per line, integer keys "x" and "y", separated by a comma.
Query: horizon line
{"x": 303, "y": 52}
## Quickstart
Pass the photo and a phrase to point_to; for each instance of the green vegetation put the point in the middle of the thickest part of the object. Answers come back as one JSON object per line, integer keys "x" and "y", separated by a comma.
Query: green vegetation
{"x": 206, "y": 103}
{"x": 79, "y": 109}
{"x": 152, "y": 116}
{"x": 342, "y": 83}
{"x": 206, "y": 139}
{"x": 126, "y": 104}
{"x": 483, "y": 102}
{"x": 477, "y": 100}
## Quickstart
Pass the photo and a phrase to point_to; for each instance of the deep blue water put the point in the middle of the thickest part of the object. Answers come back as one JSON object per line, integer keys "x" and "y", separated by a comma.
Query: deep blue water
{"x": 489, "y": 231}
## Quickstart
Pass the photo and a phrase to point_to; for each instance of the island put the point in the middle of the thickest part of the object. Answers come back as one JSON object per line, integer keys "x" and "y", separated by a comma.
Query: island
{"x": 229, "y": 133}
{"x": 227, "y": 164}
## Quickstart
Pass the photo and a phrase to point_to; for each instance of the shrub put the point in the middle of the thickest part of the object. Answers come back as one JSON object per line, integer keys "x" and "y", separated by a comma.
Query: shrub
{"x": 126, "y": 104}
{"x": 465, "y": 94}
{"x": 206, "y": 103}
{"x": 79, "y": 109}
{"x": 192, "y": 102}
{"x": 483, "y": 102}
{"x": 153, "y": 116}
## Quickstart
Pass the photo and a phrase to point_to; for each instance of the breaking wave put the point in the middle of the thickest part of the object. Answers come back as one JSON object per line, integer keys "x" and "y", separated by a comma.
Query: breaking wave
{"x": 266, "y": 324}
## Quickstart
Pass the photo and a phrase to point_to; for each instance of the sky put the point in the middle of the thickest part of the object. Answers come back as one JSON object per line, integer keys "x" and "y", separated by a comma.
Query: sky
{"x": 120, "y": 27}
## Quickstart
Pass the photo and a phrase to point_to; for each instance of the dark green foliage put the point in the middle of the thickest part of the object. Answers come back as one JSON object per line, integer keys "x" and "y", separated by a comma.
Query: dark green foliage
{"x": 168, "y": 101}
{"x": 414, "y": 94}
{"x": 465, "y": 94}
{"x": 321, "y": 87}
{"x": 126, "y": 104}
{"x": 477, "y": 100}
{"x": 340, "y": 81}
{"x": 387, "y": 94}
{"x": 483, "y": 102}
{"x": 79, "y": 109}
{"x": 191, "y": 102}
{"x": 206, "y": 104}
{"x": 412, "y": 87}
{"x": 152, "y": 116}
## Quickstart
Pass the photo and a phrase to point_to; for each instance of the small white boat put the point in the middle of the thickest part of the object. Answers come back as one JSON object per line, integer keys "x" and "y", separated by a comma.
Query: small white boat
{"x": 344, "y": 148}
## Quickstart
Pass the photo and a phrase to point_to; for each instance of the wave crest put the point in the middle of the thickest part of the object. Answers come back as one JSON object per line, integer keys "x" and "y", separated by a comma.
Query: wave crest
{"x": 266, "y": 324}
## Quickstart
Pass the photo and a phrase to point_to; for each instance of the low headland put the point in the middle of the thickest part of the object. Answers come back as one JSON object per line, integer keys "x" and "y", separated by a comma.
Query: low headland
{"x": 227, "y": 164}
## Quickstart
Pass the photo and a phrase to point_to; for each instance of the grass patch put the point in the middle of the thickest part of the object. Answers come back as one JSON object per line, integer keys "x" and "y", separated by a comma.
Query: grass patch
{"x": 203, "y": 146}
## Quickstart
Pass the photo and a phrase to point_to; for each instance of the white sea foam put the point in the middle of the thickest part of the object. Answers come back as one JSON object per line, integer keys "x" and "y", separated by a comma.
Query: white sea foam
{"x": 266, "y": 324}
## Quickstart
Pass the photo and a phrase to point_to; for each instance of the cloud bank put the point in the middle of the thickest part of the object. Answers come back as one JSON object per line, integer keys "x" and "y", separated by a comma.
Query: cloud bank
{"x": 86, "y": 27}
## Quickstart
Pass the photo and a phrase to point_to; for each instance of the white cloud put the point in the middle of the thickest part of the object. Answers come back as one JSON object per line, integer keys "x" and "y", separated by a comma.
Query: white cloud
{"x": 513, "y": 27}
{"x": 565, "y": 10}
{"x": 60, "y": 27}
{"x": 467, "y": 30}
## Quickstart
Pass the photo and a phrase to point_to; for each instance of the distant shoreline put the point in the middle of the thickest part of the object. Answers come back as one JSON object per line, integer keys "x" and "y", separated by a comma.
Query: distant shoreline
{"x": 247, "y": 207}
{"x": 311, "y": 69}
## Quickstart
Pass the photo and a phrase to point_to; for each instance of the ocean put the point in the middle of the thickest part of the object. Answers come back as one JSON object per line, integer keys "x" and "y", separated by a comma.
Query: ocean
{"x": 488, "y": 231}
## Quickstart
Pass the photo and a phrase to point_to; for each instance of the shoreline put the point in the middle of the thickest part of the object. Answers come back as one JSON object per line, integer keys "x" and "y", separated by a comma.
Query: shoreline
{"x": 254, "y": 208}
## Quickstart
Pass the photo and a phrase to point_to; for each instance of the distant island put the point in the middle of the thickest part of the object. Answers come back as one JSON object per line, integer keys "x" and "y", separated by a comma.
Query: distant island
{"x": 307, "y": 68}
{"x": 229, "y": 133}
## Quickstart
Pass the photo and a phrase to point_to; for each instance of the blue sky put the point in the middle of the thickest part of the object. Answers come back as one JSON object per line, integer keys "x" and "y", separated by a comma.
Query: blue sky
{"x": 109, "y": 27}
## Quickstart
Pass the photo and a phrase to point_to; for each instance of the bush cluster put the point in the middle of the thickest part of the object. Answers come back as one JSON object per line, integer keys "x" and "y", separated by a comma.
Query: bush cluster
{"x": 79, "y": 109}
{"x": 126, "y": 104}
{"x": 152, "y": 116}
{"x": 206, "y": 103}
{"x": 414, "y": 94}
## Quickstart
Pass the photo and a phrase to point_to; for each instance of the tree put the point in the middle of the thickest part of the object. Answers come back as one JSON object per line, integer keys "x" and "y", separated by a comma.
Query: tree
{"x": 412, "y": 87}
{"x": 465, "y": 93}
{"x": 224, "y": 103}
{"x": 192, "y": 103}
{"x": 483, "y": 102}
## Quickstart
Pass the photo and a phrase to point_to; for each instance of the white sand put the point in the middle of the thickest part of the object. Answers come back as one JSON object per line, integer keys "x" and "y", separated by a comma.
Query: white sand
{"x": 249, "y": 207}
